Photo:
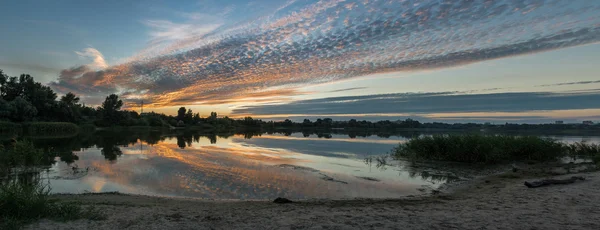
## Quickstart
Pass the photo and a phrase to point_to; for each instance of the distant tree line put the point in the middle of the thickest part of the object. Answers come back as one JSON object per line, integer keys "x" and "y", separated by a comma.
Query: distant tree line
{"x": 24, "y": 100}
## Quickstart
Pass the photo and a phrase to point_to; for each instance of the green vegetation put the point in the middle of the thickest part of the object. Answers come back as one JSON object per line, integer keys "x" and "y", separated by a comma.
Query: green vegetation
{"x": 488, "y": 149}
{"x": 584, "y": 150}
{"x": 23, "y": 200}
{"x": 20, "y": 154}
{"x": 22, "y": 203}
{"x": 22, "y": 100}
{"x": 34, "y": 128}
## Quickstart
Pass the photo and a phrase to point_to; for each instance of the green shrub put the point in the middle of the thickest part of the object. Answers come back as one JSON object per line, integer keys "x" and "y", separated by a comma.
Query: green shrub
{"x": 21, "y": 203}
{"x": 488, "y": 149}
{"x": 46, "y": 128}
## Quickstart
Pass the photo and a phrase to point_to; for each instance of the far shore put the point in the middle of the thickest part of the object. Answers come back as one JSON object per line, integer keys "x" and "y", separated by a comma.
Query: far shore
{"x": 493, "y": 202}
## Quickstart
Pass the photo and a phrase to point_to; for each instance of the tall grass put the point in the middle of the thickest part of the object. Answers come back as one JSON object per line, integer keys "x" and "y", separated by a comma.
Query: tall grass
{"x": 18, "y": 155}
{"x": 39, "y": 128}
{"x": 584, "y": 150}
{"x": 47, "y": 128}
{"x": 23, "y": 201}
{"x": 488, "y": 149}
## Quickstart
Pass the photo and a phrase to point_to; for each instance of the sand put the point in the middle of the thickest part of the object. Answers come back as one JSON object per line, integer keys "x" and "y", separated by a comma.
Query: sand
{"x": 486, "y": 203}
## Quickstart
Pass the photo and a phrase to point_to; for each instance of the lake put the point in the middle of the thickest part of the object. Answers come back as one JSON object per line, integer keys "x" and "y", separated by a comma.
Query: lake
{"x": 243, "y": 166}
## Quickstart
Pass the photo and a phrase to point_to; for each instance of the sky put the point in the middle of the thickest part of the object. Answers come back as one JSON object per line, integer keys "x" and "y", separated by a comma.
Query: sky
{"x": 518, "y": 61}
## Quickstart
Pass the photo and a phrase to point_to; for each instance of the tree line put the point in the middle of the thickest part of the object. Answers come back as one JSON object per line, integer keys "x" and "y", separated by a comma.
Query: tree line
{"x": 22, "y": 99}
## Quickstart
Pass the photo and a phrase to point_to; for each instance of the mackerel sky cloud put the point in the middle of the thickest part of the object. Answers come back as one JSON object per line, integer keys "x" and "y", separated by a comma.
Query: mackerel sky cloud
{"x": 270, "y": 53}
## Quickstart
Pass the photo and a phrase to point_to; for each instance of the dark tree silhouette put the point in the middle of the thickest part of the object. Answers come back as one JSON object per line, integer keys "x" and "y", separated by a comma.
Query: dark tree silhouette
{"x": 70, "y": 99}
{"x": 110, "y": 108}
{"x": 189, "y": 117}
{"x": 22, "y": 110}
{"x": 181, "y": 113}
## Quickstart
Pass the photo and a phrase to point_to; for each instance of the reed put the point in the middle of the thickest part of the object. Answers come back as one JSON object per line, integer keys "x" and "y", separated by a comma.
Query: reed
{"x": 24, "y": 201}
{"x": 46, "y": 128}
{"x": 488, "y": 149}
{"x": 584, "y": 150}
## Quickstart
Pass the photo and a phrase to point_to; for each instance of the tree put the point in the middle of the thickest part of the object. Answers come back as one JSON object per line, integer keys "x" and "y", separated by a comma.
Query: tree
{"x": 352, "y": 123}
{"x": 153, "y": 119}
{"x": 3, "y": 80}
{"x": 6, "y": 109}
{"x": 110, "y": 108}
{"x": 196, "y": 118}
{"x": 306, "y": 123}
{"x": 181, "y": 113}
{"x": 189, "y": 116}
{"x": 288, "y": 123}
{"x": 40, "y": 96}
{"x": 327, "y": 122}
{"x": 213, "y": 115}
{"x": 22, "y": 110}
{"x": 68, "y": 109}
{"x": 70, "y": 99}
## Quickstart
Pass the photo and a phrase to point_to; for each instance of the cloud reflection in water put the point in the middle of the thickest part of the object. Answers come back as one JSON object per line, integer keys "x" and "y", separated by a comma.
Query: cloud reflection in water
{"x": 233, "y": 168}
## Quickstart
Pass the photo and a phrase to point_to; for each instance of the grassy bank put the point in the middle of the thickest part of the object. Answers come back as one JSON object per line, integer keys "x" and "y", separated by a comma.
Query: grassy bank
{"x": 491, "y": 149}
{"x": 24, "y": 203}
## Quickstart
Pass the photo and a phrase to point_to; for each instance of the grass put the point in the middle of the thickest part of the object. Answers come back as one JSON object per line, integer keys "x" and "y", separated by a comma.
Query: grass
{"x": 584, "y": 150}
{"x": 18, "y": 155}
{"x": 45, "y": 128}
{"x": 487, "y": 149}
{"x": 24, "y": 201}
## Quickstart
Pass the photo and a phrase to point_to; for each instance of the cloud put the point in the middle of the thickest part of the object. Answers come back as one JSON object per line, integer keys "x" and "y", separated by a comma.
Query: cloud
{"x": 98, "y": 61}
{"x": 430, "y": 103}
{"x": 30, "y": 66}
{"x": 332, "y": 40}
{"x": 163, "y": 30}
{"x": 346, "y": 89}
{"x": 572, "y": 83}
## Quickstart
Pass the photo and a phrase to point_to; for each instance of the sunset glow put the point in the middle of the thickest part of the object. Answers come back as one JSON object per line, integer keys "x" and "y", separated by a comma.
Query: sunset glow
{"x": 276, "y": 59}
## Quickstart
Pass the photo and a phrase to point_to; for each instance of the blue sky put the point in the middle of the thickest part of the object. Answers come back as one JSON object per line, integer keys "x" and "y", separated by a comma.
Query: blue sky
{"x": 277, "y": 59}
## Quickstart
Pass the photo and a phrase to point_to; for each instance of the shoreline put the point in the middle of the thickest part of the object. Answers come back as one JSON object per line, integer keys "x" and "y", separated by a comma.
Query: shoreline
{"x": 492, "y": 202}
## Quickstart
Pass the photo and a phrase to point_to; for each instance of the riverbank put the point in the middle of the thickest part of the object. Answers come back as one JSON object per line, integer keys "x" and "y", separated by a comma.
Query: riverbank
{"x": 495, "y": 202}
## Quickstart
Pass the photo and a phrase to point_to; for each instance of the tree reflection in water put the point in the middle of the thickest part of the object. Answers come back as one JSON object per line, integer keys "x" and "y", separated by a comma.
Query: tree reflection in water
{"x": 109, "y": 142}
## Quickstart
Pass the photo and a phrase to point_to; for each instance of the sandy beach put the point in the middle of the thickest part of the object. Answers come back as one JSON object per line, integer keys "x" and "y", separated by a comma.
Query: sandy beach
{"x": 494, "y": 202}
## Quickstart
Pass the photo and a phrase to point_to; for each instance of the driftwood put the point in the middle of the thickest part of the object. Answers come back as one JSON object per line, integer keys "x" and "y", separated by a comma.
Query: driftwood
{"x": 281, "y": 200}
{"x": 541, "y": 183}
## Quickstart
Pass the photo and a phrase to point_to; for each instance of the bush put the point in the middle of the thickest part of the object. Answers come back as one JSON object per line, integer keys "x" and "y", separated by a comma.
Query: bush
{"x": 154, "y": 120}
{"x": 487, "y": 149}
{"x": 22, "y": 203}
{"x": 45, "y": 128}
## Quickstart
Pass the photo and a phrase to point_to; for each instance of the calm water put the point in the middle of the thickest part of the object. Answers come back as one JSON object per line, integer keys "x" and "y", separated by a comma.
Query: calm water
{"x": 297, "y": 165}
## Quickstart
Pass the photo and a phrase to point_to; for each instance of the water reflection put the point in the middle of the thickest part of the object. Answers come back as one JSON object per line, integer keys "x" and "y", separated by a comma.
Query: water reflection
{"x": 241, "y": 166}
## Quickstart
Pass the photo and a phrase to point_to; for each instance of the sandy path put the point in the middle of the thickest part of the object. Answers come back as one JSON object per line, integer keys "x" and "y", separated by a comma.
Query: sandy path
{"x": 499, "y": 204}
